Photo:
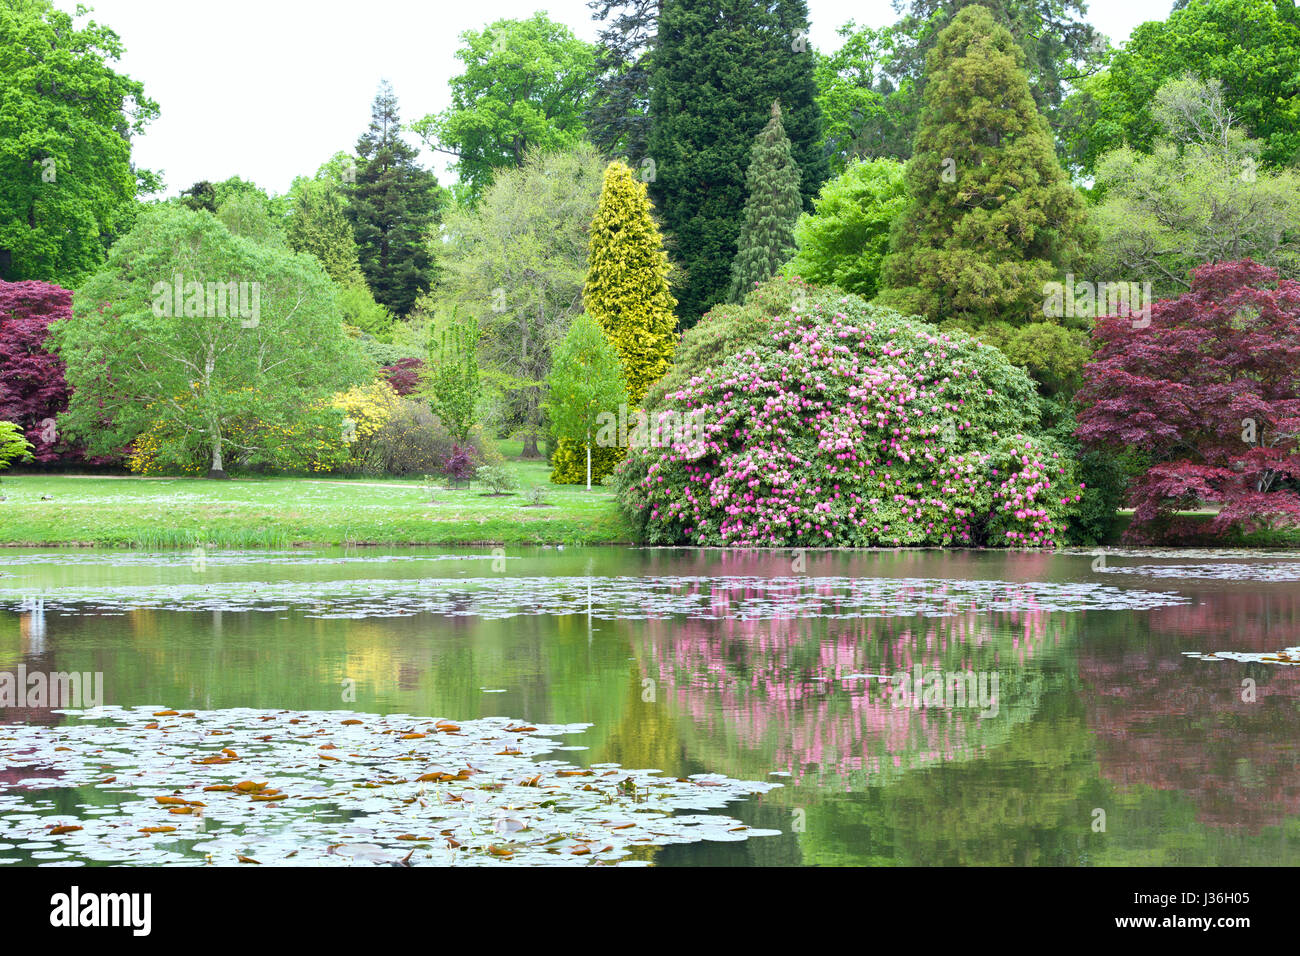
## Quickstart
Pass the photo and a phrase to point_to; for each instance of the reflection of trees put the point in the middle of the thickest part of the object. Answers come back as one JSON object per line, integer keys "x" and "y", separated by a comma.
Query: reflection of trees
{"x": 1028, "y": 804}
{"x": 552, "y": 669}
{"x": 764, "y": 695}
{"x": 1173, "y": 723}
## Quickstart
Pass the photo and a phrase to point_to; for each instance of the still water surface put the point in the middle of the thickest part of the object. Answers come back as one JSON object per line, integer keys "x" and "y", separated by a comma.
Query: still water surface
{"x": 761, "y": 666}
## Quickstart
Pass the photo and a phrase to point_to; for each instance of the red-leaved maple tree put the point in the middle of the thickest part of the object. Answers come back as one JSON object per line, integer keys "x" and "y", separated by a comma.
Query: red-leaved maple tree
{"x": 32, "y": 387}
{"x": 403, "y": 375}
{"x": 1208, "y": 391}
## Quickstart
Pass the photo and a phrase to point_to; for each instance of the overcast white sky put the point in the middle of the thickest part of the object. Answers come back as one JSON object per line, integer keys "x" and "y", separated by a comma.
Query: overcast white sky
{"x": 269, "y": 89}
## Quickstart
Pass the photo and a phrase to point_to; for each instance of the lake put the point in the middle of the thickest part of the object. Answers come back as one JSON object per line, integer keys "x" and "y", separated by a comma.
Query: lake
{"x": 819, "y": 708}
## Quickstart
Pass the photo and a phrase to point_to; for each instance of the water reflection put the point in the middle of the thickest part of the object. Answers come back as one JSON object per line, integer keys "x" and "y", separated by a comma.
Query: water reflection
{"x": 736, "y": 663}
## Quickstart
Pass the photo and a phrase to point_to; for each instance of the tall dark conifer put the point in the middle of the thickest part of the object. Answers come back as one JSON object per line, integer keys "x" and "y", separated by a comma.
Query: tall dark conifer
{"x": 618, "y": 119}
{"x": 717, "y": 67}
{"x": 394, "y": 203}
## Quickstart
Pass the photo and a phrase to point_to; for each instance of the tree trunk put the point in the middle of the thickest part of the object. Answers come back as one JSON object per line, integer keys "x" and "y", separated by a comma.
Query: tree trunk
{"x": 530, "y": 446}
{"x": 589, "y": 459}
{"x": 218, "y": 469}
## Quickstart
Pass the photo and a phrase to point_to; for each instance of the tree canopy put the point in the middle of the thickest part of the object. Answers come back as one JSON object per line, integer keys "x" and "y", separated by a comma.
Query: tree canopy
{"x": 525, "y": 87}
{"x": 718, "y": 67}
{"x": 1250, "y": 46}
{"x": 220, "y": 345}
{"x": 67, "y": 183}
{"x": 1201, "y": 195}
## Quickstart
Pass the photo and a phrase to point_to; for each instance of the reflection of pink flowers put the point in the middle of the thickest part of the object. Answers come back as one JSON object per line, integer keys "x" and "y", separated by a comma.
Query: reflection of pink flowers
{"x": 764, "y": 683}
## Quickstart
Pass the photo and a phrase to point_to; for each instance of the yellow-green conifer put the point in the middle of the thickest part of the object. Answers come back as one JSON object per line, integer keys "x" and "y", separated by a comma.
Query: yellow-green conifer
{"x": 627, "y": 293}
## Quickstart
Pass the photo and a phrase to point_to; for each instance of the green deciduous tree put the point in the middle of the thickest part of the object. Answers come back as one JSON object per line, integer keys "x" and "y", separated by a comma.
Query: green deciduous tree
{"x": 844, "y": 242}
{"x": 229, "y": 362}
{"x": 248, "y": 215}
{"x": 992, "y": 216}
{"x": 14, "y": 445}
{"x": 67, "y": 185}
{"x": 865, "y": 110}
{"x": 586, "y": 381}
{"x": 393, "y": 206}
{"x": 1200, "y": 196}
{"x": 525, "y": 86}
{"x": 772, "y": 207}
{"x": 516, "y": 263}
{"x": 454, "y": 387}
{"x": 1250, "y": 46}
{"x": 718, "y": 66}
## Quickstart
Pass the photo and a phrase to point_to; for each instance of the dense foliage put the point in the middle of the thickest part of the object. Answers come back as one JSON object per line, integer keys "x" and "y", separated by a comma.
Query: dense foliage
{"x": 1199, "y": 195}
{"x": 845, "y": 240}
{"x": 392, "y": 206}
{"x": 454, "y": 388}
{"x": 870, "y": 90}
{"x": 524, "y": 89}
{"x": 203, "y": 340}
{"x": 772, "y": 206}
{"x": 517, "y": 262}
{"x": 992, "y": 215}
{"x": 626, "y": 290}
{"x": 32, "y": 388}
{"x": 13, "y": 446}
{"x": 1250, "y": 46}
{"x": 1208, "y": 396}
{"x": 618, "y": 113}
{"x": 67, "y": 183}
{"x": 718, "y": 66}
{"x": 586, "y": 382}
{"x": 853, "y": 426}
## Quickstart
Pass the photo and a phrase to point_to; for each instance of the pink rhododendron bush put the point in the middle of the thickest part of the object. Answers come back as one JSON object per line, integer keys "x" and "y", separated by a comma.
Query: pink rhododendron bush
{"x": 848, "y": 425}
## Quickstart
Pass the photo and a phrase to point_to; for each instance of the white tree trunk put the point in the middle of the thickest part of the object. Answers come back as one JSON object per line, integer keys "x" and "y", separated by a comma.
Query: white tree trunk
{"x": 589, "y": 459}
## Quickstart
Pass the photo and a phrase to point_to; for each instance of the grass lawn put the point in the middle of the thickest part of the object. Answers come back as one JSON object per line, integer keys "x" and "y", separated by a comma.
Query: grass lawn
{"x": 279, "y": 512}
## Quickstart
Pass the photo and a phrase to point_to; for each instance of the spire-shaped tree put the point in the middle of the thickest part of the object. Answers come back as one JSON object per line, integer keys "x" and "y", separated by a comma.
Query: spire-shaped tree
{"x": 392, "y": 207}
{"x": 627, "y": 280}
{"x": 627, "y": 293}
{"x": 767, "y": 233}
{"x": 993, "y": 216}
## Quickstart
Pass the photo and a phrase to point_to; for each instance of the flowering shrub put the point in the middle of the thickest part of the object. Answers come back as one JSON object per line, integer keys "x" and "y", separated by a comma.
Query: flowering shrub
{"x": 331, "y": 436}
{"x": 854, "y": 426}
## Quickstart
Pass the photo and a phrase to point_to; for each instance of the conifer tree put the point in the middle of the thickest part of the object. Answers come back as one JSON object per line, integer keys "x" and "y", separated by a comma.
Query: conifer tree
{"x": 318, "y": 224}
{"x": 392, "y": 206}
{"x": 627, "y": 293}
{"x": 767, "y": 233}
{"x": 717, "y": 67}
{"x": 992, "y": 216}
{"x": 627, "y": 280}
